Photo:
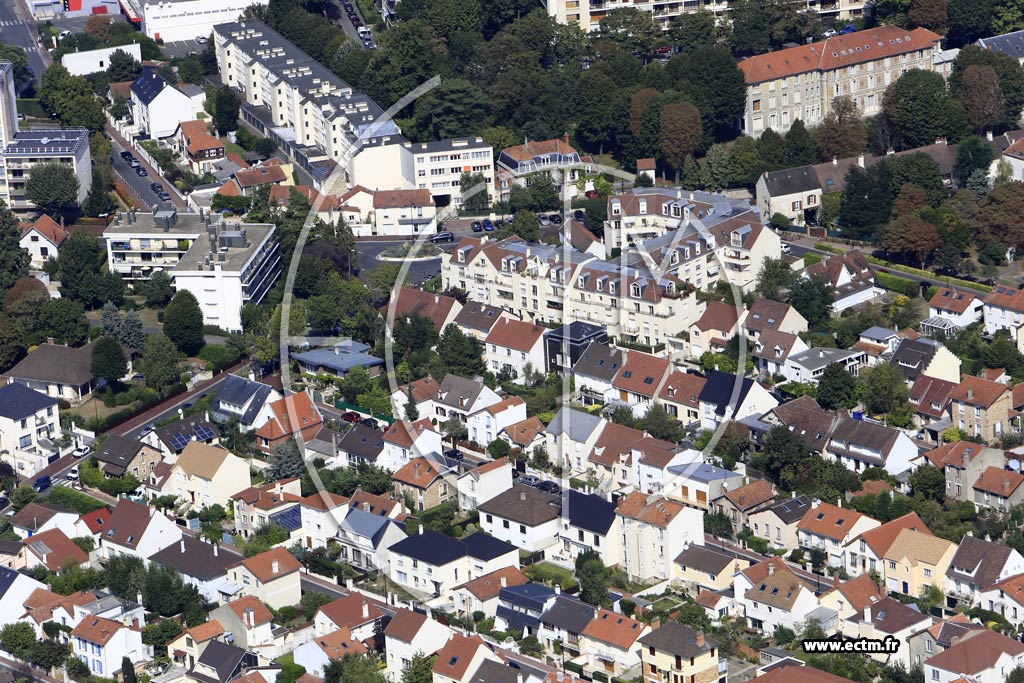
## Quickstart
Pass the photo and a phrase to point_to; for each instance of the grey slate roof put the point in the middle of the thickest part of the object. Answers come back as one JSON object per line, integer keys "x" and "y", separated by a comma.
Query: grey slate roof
{"x": 18, "y": 401}
{"x": 578, "y": 425}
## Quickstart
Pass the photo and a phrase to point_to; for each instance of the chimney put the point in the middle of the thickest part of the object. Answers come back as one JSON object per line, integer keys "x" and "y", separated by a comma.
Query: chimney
{"x": 275, "y": 566}
{"x": 366, "y": 610}
{"x": 700, "y": 638}
{"x": 867, "y": 614}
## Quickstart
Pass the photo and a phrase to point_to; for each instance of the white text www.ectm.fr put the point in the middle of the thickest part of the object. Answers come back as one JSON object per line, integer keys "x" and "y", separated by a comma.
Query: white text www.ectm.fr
{"x": 887, "y": 645}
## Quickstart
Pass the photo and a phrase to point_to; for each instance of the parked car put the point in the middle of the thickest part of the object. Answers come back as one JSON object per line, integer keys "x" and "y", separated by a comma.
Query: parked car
{"x": 549, "y": 487}
{"x": 42, "y": 483}
{"x": 80, "y": 452}
{"x": 444, "y": 236}
{"x": 370, "y": 422}
{"x": 476, "y": 226}
{"x": 351, "y": 416}
{"x": 530, "y": 480}
{"x": 141, "y": 172}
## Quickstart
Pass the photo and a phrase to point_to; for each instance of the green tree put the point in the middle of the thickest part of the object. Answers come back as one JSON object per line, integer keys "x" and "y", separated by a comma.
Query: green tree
{"x": 227, "y": 104}
{"x": 928, "y": 483}
{"x": 812, "y": 297}
{"x": 159, "y": 361}
{"x": 108, "y": 361}
{"x": 52, "y": 186}
{"x": 594, "y": 578}
{"x": 64, "y": 320}
{"x": 837, "y": 388}
{"x": 183, "y": 322}
{"x": 14, "y": 260}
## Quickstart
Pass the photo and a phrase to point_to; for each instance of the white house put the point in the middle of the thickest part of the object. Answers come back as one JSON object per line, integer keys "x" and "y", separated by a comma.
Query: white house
{"x": 92, "y": 61}
{"x": 158, "y": 106}
{"x": 515, "y": 347}
{"x": 408, "y": 634}
{"x": 523, "y": 516}
{"x": 488, "y": 423}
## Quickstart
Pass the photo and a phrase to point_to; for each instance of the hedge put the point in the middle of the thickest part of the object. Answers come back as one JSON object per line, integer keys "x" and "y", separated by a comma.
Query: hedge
{"x": 898, "y": 284}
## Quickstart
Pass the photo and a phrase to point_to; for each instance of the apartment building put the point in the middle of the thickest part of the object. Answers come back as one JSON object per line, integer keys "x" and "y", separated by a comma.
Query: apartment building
{"x": 801, "y": 82}
{"x": 587, "y": 14}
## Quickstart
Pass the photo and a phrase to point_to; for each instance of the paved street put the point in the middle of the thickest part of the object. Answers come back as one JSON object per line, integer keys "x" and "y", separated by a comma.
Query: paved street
{"x": 18, "y": 28}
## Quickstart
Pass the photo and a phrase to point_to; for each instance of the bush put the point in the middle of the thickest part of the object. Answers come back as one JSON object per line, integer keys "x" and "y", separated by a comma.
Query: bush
{"x": 898, "y": 284}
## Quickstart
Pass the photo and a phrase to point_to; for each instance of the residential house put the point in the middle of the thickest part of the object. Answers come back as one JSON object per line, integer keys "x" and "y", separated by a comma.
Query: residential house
{"x": 950, "y": 310}
{"x": 1002, "y": 311}
{"x": 404, "y": 441}
{"x": 120, "y": 455}
{"x": 201, "y": 565}
{"x": 925, "y": 357}
{"x": 523, "y": 516}
{"x": 777, "y": 521}
{"x": 976, "y": 565}
{"x": 654, "y": 532}
{"x": 830, "y": 528}
{"x": 137, "y": 530}
{"x": 103, "y": 644}
{"x": 718, "y": 404}
{"x": 564, "y": 345}
{"x": 292, "y": 414}
{"x": 321, "y": 513}
{"x": 248, "y": 620}
{"x": 425, "y": 482}
{"x": 851, "y": 279}
{"x": 594, "y": 372}
{"x": 243, "y": 401}
{"x": 51, "y": 549}
{"x": 981, "y": 655}
{"x": 207, "y": 475}
{"x": 196, "y": 148}
{"x": 808, "y": 365}
{"x": 481, "y": 594}
{"x": 981, "y": 408}
{"x": 865, "y": 553}
{"x": 564, "y": 623}
{"x": 276, "y": 502}
{"x": 611, "y": 643}
{"x": 484, "y": 482}
{"x": 158, "y": 106}
{"x": 42, "y": 239}
{"x": 737, "y": 504}
{"x": 706, "y": 567}
{"x": 37, "y": 517}
{"x": 916, "y": 561}
{"x": 485, "y": 425}
{"x": 432, "y": 563}
{"x": 677, "y": 652}
{"x": 999, "y": 488}
{"x": 888, "y": 619}
{"x": 409, "y": 634}
{"x": 963, "y": 463}
{"x": 271, "y": 576}
{"x": 589, "y": 522}
{"x": 859, "y": 444}
{"x": 520, "y": 607}
{"x": 354, "y": 612}
{"x": 771, "y": 595}
{"x": 171, "y": 439}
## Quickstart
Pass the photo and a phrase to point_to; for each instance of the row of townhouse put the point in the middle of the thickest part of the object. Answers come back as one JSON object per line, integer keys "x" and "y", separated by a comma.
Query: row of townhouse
{"x": 331, "y": 124}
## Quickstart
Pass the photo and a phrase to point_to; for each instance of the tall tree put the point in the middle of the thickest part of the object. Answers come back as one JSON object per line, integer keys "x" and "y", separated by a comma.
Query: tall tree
{"x": 52, "y": 187}
{"x": 680, "y": 133}
{"x": 183, "y": 322}
{"x": 842, "y": 132}
{"x": 108, "y": 361}
{"x": 14, "y": 260}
